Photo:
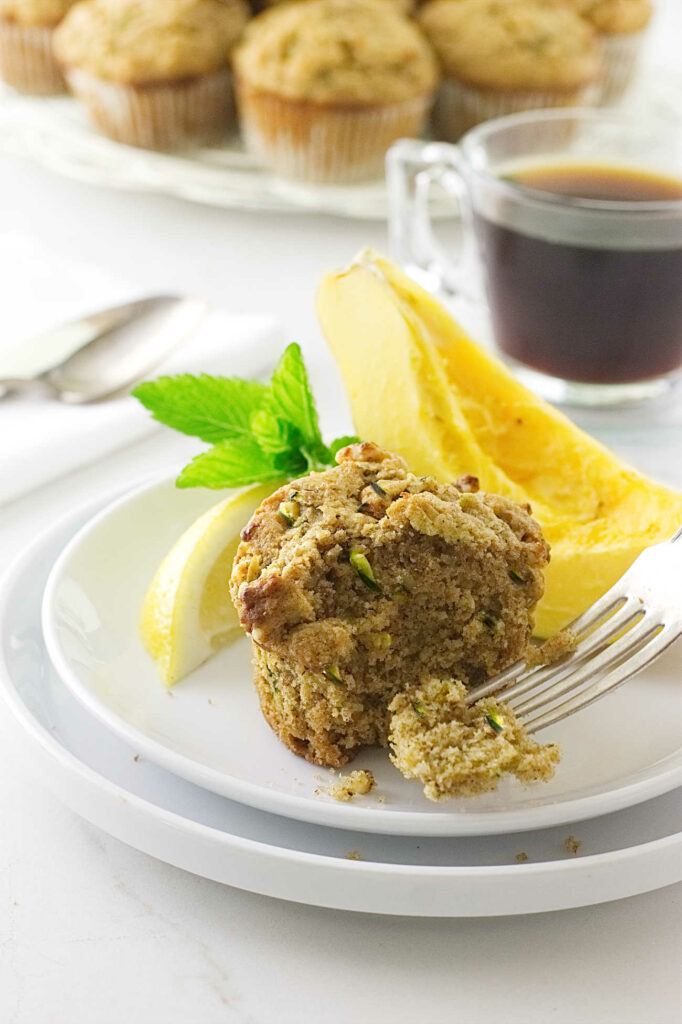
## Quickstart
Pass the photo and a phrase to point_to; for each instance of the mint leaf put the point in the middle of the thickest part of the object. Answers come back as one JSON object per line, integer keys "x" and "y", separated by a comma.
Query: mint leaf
{"x": 291, "y": 399}
{"x": 211, "y": 408}
{"x": 274, "y": 435}
{"x": 234, "y": 463}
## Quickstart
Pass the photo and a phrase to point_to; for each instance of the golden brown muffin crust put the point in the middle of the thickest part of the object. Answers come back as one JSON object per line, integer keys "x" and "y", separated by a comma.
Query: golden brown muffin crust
{"x": 138, "y": 42}
{"x": 43, "y": 13}
{"x": 336, "y": 52}
{"x": 360, "y": 581}
{"x": 614, "y": 17}
{"x": 512, "y": 45}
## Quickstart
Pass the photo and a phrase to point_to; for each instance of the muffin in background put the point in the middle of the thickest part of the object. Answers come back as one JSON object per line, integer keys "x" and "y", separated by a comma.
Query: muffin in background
{"x": 325, "y": 87}
{"x": 26, "y": 59}
{"x": 502, "y": 56}
{"x": 621, "y": 27}
{"x": 405, "y": 6}
{"x": 153, "y": 73}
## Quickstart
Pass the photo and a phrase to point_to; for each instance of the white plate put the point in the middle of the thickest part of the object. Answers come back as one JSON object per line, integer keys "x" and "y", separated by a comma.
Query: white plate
{"x": 99, "y": 777}
{"x": 209, "y": 729}
{"x": 56, "y": 133}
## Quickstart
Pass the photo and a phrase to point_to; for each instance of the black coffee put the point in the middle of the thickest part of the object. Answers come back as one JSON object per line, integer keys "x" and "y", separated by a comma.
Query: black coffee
{"x": 595, "y": 315}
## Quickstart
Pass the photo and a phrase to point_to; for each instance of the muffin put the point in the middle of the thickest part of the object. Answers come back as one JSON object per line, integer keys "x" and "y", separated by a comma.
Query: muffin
{"x": 26, "y": 59}
{"x": 620, "y": 25}
{"x": 406, "y": 6}
{"x": 152, "y": 73}
{"x": 325, "y": 87}
{"x": 503, "y": 56}
{"x": 363, "y": 581}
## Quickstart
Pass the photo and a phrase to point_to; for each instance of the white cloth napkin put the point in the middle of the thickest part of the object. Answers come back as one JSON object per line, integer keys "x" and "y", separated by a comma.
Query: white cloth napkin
{"x": 42, "y": 440}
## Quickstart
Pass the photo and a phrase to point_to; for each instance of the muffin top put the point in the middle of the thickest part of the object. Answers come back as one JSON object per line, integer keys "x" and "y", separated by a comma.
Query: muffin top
{"x": 35, "y": 12}
{"x": 147, "y": 41}
{"x": 406, "y": 6}
{"x": 337, "y": 51}
{"x": 512, "y": 44}
{"x": 613, "y": 17}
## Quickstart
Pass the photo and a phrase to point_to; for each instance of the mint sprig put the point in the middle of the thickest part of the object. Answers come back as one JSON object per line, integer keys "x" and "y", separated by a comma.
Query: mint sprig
{"x": 259, "y": 432}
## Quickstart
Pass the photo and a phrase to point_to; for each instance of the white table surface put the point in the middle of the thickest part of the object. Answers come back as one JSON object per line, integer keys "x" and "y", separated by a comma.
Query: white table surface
{"x": 92, "y": 932}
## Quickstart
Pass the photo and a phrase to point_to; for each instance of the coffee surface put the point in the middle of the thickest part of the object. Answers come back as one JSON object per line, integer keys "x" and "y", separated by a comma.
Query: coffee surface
{"x": 594, "y": 181}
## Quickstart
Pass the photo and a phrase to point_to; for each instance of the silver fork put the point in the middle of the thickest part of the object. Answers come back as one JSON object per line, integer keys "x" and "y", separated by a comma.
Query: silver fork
{"x": 617, "y": 637}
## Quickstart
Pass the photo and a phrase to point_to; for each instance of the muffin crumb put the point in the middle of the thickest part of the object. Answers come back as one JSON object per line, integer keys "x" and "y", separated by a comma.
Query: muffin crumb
{"x": 455, "y": 750}
{"x": 521, "y": 858}
{"x": 572, "y": 845}
{"x": 552, "y": 650}
{"x": 356, "y": 783}
{"x": 353, "y": 855}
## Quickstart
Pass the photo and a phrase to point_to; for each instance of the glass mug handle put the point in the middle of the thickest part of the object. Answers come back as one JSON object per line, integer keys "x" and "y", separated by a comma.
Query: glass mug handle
{"x": 412, "y": 169}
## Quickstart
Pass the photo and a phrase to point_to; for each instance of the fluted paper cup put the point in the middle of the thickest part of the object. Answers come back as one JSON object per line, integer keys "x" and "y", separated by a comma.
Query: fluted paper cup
{"x": 620, "y": 58}
{"x": 322, "y": 143}
{"x": 160, "y": 115}
{"x": 26, "y": 59}
{"x": 459, "y": 107}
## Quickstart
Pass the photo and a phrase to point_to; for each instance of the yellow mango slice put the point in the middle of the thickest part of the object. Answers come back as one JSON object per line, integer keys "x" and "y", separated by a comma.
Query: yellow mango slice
{"x": 420, "y": 387}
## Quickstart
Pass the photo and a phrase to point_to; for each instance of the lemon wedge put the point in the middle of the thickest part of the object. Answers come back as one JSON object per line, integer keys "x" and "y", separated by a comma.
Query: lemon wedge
{"x": 187, "y": 613}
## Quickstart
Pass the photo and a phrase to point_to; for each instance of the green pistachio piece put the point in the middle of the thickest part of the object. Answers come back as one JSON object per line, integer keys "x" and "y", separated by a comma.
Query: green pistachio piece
{"x": 516, "y": 576}
{"x": 381, "y": 641}
{"x": 378, "y": 489}
{"x": 360, "y": 563}
{"x": 288, "y": 512}
{"x": 489, "y": 620}
{"x": 419, "y": 708}
{"x": 494, "y": 719}
{"x": 332, "y": 672}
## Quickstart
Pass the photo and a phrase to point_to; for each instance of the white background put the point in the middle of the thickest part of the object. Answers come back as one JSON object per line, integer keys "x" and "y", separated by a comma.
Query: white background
{"x": 92, "y": 932}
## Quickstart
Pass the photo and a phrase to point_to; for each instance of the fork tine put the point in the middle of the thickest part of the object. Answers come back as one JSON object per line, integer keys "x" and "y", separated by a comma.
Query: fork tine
{"x": 588, "y": 667}
{"x": 630, "y": 666}
{"x": 628, "y": 614}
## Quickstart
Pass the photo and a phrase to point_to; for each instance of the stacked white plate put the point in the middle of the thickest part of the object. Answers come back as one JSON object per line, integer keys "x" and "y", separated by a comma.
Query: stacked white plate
{"x": 196, "y": 778}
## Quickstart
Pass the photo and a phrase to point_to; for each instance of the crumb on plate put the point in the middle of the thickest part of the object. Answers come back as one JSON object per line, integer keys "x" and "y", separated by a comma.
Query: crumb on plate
{"x": 356, "y": 783}
{"x": 572, "y": 845}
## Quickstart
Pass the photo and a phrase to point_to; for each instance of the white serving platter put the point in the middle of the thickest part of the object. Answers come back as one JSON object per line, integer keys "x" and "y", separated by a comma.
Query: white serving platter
{"x": 106, "y": 781}
{"x": 55, "y": 132}
{"x": 209, "y": 729}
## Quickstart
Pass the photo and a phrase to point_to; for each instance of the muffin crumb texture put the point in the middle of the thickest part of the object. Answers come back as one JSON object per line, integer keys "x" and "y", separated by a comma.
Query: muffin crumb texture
{"x": 460, "y": 751}
{"x": 371, "y": 580}
{"x": 356, "y": 783}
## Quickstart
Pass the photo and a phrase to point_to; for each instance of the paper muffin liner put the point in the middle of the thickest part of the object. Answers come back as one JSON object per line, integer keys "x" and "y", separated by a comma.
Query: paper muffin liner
{"x": 321, "y": 143}
{"x": 26, "y": 59}
{"x": 459, "y": 107}
{"x": 161, "y": 115}
{"x": 620, "y": 55}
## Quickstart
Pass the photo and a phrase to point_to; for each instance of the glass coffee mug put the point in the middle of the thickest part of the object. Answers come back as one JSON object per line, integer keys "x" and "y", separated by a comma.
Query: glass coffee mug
{"x": 572, "y": 221}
